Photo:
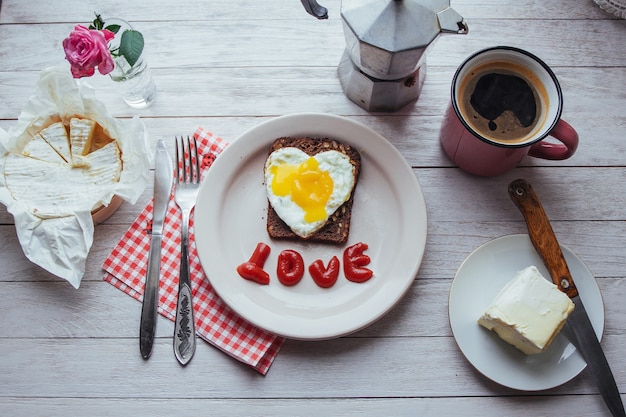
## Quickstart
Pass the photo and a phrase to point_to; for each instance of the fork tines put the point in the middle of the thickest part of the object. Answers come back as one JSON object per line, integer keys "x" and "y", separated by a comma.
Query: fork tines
{"x": 189, "y": 170}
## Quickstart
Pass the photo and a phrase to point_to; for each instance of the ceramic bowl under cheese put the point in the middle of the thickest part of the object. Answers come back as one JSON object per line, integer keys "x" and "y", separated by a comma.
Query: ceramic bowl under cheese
{"x": 66, "y": 168}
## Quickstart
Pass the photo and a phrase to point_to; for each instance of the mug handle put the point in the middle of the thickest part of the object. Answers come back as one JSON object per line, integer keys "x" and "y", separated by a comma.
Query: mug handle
{"x": 563, "y": 132}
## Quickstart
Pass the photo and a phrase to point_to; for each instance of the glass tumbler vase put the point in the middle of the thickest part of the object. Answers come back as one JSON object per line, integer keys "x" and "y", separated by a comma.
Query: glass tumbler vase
{"x": 134, "y": 83}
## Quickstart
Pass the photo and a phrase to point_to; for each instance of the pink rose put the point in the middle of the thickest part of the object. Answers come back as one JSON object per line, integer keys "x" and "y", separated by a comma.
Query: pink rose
{"x": 87, "y": 49}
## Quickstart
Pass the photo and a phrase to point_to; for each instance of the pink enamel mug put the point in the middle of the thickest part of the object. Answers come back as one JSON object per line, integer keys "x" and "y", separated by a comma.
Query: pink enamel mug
{"x": 504, "y": 103}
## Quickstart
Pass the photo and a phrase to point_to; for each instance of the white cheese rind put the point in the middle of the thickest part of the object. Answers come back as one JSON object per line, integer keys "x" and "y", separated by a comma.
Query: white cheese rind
{"x": 45, "y": 187}
{"x": 38, "y": 148}
{"x": 105, "y": 165}
{"x": 528, "y": 312}
{"x": 81, "y": 134}
{"x": 56, "y": 136}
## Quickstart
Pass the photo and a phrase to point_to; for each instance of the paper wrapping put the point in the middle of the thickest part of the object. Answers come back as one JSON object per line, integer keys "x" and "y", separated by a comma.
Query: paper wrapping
{"x": 61, "y": 245}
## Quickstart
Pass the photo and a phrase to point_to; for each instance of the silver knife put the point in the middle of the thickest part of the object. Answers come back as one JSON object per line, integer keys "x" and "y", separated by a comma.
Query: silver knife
{"x": 545, "y": 242}
{"x": 163, "y": 179}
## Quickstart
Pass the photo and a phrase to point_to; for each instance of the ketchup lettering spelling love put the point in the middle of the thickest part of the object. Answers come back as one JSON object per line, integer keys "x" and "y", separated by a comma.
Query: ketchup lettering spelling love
{"x": 325, "y": 277}
{"x": 290, "y": 267}
{"x": 253, "y": 269}
{"x": 354, "y": 261}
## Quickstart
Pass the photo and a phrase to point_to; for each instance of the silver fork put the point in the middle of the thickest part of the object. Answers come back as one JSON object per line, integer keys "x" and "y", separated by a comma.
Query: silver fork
{"x": 187, "y": 186}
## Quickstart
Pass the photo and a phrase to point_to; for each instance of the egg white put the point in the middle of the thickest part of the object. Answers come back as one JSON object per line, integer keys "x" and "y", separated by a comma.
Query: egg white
{"x": 338, "y": 167}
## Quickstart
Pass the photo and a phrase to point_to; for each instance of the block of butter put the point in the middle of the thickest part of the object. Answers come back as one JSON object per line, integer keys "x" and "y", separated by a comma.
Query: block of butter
{"x": 528, "y": 312}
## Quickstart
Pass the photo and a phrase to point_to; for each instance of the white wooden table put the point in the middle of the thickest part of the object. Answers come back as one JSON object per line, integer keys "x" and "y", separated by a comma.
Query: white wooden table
{"x": 229, "y": 65}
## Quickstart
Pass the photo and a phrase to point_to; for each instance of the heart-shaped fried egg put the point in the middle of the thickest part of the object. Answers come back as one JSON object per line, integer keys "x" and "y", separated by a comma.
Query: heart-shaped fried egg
{"x": 306, "y": 190}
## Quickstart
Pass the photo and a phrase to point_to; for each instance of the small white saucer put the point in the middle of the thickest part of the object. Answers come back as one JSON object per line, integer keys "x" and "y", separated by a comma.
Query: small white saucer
{"x": 479, "y": 279}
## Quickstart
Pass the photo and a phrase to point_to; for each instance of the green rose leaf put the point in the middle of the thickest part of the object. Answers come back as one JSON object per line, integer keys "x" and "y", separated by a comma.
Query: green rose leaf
{"x": 113, "y": 28}
{"x": 131, "y": 46}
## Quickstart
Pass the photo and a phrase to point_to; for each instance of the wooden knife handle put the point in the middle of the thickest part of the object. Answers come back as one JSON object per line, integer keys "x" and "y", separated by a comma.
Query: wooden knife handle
{"x": 542, "y": 236}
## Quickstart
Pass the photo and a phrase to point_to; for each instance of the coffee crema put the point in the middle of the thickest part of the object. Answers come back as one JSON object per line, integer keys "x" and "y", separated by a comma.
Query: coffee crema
{"x": 503, "y": 101}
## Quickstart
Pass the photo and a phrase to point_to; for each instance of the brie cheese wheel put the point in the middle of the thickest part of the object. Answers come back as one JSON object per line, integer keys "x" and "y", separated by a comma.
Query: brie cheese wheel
{"x": 528, "y": 312}
{"x": 54, "y": 188}
{"x": 56, "y": 136}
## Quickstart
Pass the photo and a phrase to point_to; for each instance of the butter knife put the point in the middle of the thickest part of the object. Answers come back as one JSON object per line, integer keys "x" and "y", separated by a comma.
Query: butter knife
{"x": 163, "y": 179}
{"x": 545, "y": 242}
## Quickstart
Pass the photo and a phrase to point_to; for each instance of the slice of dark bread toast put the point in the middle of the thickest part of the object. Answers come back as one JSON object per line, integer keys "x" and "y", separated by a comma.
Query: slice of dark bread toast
{"x": 337, "y": 228}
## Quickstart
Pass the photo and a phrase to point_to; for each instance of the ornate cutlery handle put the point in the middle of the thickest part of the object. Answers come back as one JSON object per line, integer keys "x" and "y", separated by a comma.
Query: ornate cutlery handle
{"x": 185, "y": 329}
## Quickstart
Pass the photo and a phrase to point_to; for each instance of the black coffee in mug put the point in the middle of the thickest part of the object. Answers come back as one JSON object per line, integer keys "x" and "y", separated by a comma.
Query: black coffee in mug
{"x": 503, "y": 101}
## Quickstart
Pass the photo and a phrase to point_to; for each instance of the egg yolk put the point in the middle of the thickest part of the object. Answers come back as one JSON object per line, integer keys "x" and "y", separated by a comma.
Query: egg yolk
{"x": 309, "y": 187}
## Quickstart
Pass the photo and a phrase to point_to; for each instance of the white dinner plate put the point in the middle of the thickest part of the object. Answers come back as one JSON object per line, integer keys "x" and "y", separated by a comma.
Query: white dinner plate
{"x": 389, "y": 215}
{"x": 479, "y": 279}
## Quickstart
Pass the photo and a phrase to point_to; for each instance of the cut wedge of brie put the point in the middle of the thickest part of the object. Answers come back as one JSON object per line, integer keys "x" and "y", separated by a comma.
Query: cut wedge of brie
{"x": 528, "y": 312}
{"x": 38, "y": 148}
{"x": 81, "y": 134}
{"x": 105, "y": 165}
{"x": 56, "y": 136}
{"x": 55, "y": 188}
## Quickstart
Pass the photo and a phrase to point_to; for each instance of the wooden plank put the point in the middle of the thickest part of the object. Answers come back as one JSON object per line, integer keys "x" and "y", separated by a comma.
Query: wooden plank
{"x": 340, "y": 368}
{"x": 599, "y": 244}
{"x": 13, "y": 11}
{"x": 231, "y": 44}
{"x": 197, "y": 92}
{"x": 311, "y": 43}
{"x": 569, "y": 195}
{"x": 514, "y": 405}
{"x": 80, "y": 11}
{"x": 98, "y": 310}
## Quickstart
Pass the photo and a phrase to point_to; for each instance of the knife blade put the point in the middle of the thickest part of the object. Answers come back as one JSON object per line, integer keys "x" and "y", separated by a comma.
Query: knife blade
{"x": 585, "y": 339}
{"x": 163, "y": 180}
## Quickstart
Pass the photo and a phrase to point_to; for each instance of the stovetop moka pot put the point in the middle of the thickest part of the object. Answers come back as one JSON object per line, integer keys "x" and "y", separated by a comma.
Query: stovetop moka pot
{"x": 384, "y": 64}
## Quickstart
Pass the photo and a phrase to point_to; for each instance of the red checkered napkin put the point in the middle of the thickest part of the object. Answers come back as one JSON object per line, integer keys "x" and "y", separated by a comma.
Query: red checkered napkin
{"x": 215, "y": 321}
